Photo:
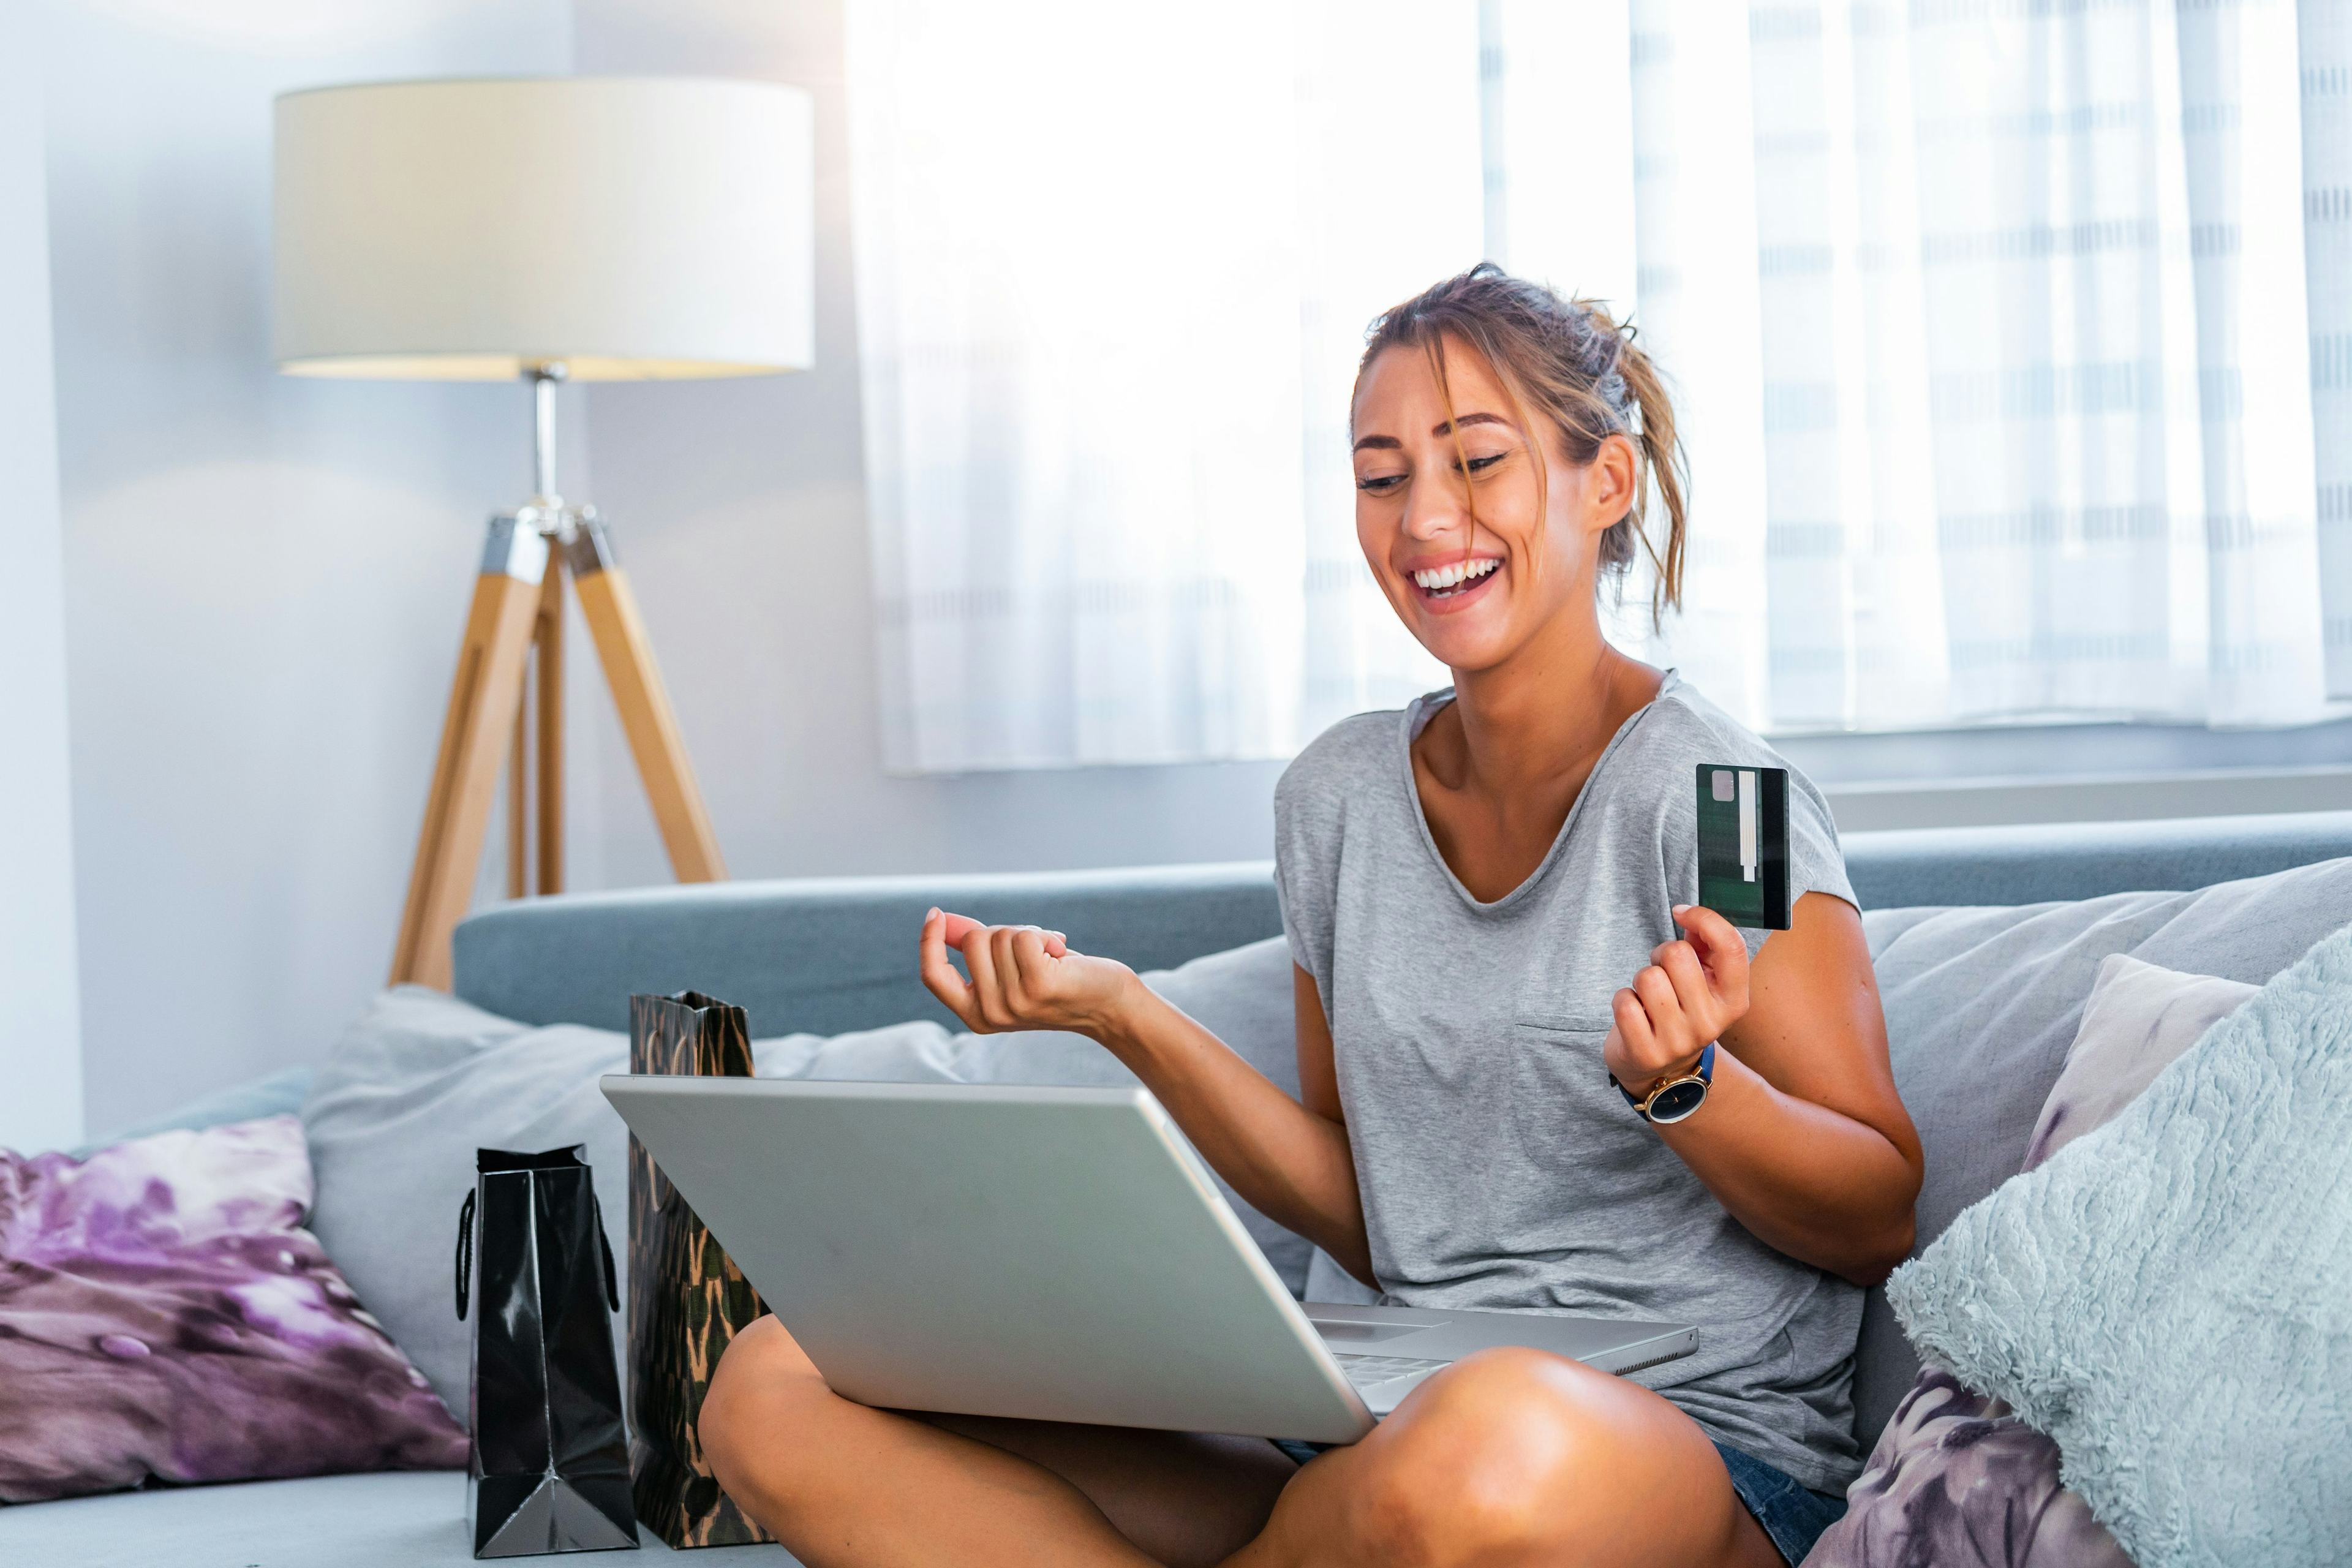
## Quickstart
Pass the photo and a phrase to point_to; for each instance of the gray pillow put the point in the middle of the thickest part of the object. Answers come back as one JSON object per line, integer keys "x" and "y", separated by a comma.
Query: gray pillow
{"x": 422, "y": 1080}
{"x": 1982, "y": 1005}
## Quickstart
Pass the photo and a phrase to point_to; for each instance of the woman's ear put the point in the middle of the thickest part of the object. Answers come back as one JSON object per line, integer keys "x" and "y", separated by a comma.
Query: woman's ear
{"x": 1613, "y": 477}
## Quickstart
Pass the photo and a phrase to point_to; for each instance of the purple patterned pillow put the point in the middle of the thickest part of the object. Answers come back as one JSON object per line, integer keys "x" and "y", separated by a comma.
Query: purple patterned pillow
{"x": 1956, "y": 1480}
{"x": 164, "y": 1317}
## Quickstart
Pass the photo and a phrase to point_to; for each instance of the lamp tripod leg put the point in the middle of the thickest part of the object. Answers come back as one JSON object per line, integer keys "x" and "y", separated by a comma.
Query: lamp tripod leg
{"x": 550, "y": 715}
{"x": 483, "y": 700}
{"x": 647, "y": 718}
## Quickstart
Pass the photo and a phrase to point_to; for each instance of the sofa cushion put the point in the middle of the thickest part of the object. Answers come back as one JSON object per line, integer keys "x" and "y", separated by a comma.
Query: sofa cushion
{"x": 411, "y": 1520}
{"x": 163, "y": 1316}
{"x": 1982, "y": 1003}
{"x": 422, "y": 1080}
{"x": 2139, "y": 1019}
{"x": 2168, "y": 1297}
{"x": 1958, "y": 1479}
{"x": 1956, "y": 1475}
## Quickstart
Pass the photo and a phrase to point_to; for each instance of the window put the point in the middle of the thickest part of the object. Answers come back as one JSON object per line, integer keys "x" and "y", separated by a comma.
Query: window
{"x": 2013, "y": 345}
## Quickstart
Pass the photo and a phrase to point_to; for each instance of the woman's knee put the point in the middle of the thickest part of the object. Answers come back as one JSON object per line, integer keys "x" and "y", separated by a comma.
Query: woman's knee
{"x": 1519, "y": 1454}
{"x": 762, "y": 1385}
{"x": 1476, "y": 1465}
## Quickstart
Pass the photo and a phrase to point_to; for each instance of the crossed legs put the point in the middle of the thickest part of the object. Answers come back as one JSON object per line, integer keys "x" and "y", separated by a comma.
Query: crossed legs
{"x": 1511, "y": 1456}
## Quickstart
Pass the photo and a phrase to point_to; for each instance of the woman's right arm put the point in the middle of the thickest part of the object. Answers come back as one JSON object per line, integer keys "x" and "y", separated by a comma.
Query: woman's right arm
{"x": 1291, "y": 1161}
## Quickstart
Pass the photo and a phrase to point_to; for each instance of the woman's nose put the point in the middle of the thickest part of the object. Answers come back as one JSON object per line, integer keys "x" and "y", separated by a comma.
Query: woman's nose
{"x": 1433, "y": 512}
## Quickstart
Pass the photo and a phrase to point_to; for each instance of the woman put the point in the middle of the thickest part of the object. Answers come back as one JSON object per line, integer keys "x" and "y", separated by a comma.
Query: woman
{"x": 1481, "y": 895}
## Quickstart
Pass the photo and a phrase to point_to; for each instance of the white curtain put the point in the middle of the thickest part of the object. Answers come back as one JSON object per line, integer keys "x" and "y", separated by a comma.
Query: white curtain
{"x": 2012, "y": 339}
{"x": 2013, "y": 342}
{"x": 1113, "y": 266}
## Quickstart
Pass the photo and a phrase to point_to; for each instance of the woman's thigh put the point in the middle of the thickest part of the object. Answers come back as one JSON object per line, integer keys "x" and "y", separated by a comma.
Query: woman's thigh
{"x": 1182, "y": 1498}
{"x": 1518, "y": 1456}
{"x": 821, "y": 1470}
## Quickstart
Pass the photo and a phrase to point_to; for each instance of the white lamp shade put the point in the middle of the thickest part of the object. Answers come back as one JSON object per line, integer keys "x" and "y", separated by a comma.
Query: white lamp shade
{"x": 628, "y": 229}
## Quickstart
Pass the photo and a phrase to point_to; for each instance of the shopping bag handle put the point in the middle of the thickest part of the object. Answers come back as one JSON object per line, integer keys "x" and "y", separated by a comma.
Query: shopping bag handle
{"x": 464, "y": 1251}
{"x": 466, "y": 1254}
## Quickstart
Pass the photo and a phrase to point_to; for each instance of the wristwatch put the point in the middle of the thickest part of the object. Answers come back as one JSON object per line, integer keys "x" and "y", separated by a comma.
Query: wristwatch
{"x": 1676, "y": 1099}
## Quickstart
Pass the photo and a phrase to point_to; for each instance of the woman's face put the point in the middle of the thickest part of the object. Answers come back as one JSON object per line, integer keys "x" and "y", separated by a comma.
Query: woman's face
{"x": 1472, "y": 593}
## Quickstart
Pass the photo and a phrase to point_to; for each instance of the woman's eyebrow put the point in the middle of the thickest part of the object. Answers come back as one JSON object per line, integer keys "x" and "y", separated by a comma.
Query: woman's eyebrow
{"x": 1442, "y": 427}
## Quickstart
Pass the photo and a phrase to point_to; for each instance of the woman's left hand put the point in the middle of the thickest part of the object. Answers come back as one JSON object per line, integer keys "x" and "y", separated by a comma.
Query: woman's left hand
{"x": 1693, "y": 989}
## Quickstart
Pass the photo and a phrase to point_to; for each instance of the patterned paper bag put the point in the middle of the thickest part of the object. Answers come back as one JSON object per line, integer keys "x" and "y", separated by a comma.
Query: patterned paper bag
{"x": 686, "y": 1298}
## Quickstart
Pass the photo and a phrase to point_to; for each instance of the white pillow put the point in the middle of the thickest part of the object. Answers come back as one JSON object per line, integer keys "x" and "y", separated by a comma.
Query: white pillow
{"x": 422, "y": 1079}
{"x": 2138, "y": 1018}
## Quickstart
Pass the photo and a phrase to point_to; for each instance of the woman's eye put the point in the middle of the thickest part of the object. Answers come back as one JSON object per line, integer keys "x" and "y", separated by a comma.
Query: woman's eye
{"x": 1479, "y": 465}
{"x": 1379, "y": 484}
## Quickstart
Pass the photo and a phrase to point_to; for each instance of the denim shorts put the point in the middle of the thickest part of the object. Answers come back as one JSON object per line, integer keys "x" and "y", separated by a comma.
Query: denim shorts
{"x": 1793, "y": 1516}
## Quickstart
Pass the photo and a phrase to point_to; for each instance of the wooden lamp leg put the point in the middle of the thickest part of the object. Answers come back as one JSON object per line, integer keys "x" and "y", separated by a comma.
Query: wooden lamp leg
{"x": 611, "y": 611}
{"x": 550, "y": 714}
{"x": 483, "y": 700}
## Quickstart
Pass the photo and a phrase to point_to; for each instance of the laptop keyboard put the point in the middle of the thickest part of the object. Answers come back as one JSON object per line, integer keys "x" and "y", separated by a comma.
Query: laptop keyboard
{"x": 1368, "y": 1371}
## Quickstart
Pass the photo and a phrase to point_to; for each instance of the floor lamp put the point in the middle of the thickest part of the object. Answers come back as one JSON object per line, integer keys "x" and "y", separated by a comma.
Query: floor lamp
{"x": 545, "y": 230}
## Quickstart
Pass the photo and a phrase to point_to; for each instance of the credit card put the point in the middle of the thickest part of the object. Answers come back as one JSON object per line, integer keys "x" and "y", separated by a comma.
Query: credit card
{"x": 1743, "y": 844}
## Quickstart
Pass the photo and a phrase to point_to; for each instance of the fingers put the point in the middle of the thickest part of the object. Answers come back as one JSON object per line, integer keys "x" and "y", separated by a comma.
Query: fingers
{"x": 1684, "y": 973}
{"x": 987, "y": 989}
{"x": 939, "y": 976}
{"x": 1671, "y": 1027}
{"x": 1003, "y": 943}
{"x": 1722, "y": 952}
{"x": 1032, "y": 949}
{"x": 961, "y": 926}
{"x": 1012, "y": 969}
{"x": 1717, "y": 938}
{"x": 1633, "y": 1026}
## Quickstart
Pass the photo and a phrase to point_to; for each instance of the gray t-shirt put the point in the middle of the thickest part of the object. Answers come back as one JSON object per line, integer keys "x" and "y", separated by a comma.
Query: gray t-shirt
{"x": 1499, "y": 1168}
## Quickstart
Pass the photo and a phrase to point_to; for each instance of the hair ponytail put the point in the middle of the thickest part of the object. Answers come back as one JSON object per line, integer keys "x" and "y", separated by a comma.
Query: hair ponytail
{"x": 1663, "y": 466}
{"x": 1571, "y": 362}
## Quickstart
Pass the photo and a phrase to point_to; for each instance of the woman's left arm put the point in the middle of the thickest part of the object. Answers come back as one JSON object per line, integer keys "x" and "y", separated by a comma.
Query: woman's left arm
{"x": 1802, "y": 1136}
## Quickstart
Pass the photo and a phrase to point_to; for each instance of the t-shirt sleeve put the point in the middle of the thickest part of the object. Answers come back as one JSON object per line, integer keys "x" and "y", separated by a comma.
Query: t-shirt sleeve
{"x": 1816, "y": 863}
{"x": 1308, "y": 825}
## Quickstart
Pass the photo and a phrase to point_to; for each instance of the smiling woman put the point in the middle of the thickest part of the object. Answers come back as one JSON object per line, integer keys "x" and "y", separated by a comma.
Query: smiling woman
{"x": 1495, "y": 975}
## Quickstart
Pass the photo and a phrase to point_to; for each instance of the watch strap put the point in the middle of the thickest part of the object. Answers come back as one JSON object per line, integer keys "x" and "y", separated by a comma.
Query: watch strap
{"x": 1704, "y": 1072}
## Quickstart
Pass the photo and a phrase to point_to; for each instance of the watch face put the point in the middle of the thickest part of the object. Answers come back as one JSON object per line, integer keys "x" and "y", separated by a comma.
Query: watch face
{"x": 1678, "y": 1100}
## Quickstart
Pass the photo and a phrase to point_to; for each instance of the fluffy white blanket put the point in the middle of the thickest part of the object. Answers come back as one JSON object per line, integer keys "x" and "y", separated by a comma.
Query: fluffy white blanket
{"x": 2170, "y": 1297}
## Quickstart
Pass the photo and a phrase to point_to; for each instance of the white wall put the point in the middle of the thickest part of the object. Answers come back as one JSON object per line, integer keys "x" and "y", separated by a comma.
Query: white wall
{"x": 264, "y": 577}
{"x": 739, "y": 509}
{"x": 40, "y": 1029}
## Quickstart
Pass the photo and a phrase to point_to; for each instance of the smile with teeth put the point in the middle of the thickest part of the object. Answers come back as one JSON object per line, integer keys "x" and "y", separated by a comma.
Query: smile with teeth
{"x": 1443, "y": 582}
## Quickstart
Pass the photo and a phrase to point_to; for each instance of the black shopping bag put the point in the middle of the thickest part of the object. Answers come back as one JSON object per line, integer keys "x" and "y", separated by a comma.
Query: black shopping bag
{"x": 551, "y": 1459}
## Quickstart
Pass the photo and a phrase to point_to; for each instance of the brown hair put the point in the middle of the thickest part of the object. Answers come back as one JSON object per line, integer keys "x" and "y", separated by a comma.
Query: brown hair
{"x": 1582, "y": 372}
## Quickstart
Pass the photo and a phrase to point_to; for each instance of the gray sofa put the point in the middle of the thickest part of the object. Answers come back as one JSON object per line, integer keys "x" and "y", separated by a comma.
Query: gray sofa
{"x": 833, "y": 955}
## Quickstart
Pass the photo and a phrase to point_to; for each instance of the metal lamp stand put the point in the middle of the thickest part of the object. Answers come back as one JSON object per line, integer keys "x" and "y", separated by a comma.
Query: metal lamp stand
{"x": 517, "y": 617}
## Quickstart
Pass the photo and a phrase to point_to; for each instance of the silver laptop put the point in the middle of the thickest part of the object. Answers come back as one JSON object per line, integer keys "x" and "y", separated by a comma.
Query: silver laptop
{"x": 1060, "y": 1253}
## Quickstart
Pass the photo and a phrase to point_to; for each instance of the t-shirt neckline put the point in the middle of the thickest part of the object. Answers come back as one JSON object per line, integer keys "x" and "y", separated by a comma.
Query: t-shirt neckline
{"x": 1416, "y": 718}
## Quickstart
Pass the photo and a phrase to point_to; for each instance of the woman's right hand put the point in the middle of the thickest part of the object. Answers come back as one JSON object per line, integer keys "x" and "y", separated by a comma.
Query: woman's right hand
{"x": 1021, "y": 978}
